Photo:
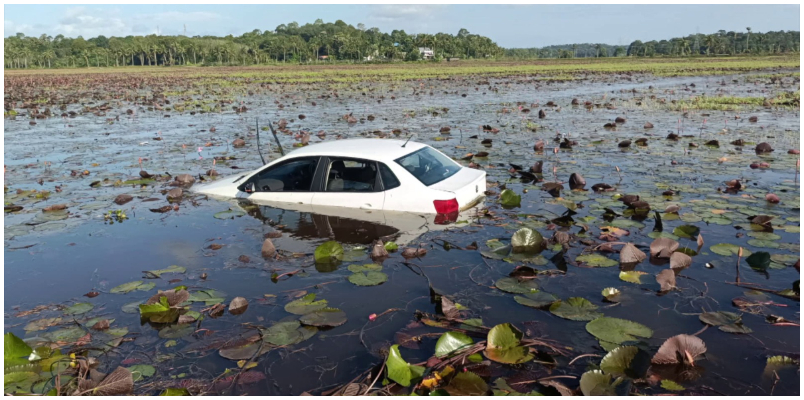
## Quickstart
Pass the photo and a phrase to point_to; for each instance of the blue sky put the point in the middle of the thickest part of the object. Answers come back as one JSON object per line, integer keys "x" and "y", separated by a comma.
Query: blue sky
{"x": 508, "y": 25}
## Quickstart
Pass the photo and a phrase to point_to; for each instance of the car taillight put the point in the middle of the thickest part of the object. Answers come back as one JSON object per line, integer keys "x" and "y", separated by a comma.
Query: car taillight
{"x": 446, "y": 211}
{"x": 446, "y": 206}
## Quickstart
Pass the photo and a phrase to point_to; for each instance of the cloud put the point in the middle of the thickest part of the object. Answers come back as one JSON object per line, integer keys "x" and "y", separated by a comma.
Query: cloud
{"x": 92, "y": 22}
{"x": 10, "y": 28}
{"x": 397, "y": 12}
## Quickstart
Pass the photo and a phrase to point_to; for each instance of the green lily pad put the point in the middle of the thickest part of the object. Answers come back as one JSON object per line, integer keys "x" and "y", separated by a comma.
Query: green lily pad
{"x": 370, "y": 278}
{"x": 517, "y": 286}
{"x": 616, "y": 330}
{"x": 599, "y": 383}
{"x": 391, "y": 247}
{"x": 671, "y": 385}
{"x": 717, "y": 220}
{"x": 450, "y": 342}
{"x": 656, "y": 235}
{"x": 141, "y": 371}
{"x": 229, "y": 214}
{"x": 126, "y": 287}
{"x": 687, "y": 231}
{"x": 626, "y": 361}
{"x": 329, "y": 252}
{"x": 510, "y": 199}
{"x": 596, "y": 260}
{"x": 503, "y": 345}
{"x": 79, "y": 308}
{"x": 625, "y": 223}
{"x": 538, "y": 299}
{"x": 728, "y": 249}
{"x": 173, "y": 269}
{"x": 526, "y": 240}
{"x": 632, "y": 276}
{"x": 763, "y": 243}
{"x": 175, "y": 392}
{"x": 208, "y": 297}
{"x": 725, "y": 321}
{"x": 324, "y": 317}
{"x": 364, "y": 268}
{"x": 399, "y": 370}
{"x": 467, "y": 384}
{"x": 305, "y": 305}
{"x": 576, "y": 309}
{"x": 764, "y": 236}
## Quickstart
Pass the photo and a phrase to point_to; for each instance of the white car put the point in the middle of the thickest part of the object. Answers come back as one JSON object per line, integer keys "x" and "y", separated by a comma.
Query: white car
{"x": 368, "y": 174}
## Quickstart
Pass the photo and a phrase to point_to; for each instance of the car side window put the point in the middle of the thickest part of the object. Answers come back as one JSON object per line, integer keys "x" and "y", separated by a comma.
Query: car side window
{"x": 389, "y": 180}
{"x": 291, "y": 176}
{"x": 349, "y": 175}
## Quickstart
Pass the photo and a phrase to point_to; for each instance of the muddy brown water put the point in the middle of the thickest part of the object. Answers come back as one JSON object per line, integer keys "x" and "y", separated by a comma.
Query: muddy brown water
{"x": 55, "y": 258}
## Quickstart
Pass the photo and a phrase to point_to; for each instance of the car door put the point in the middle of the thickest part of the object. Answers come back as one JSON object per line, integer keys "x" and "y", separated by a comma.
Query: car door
{"x": 291, "y": 181}
{"x": 349, "y": 182}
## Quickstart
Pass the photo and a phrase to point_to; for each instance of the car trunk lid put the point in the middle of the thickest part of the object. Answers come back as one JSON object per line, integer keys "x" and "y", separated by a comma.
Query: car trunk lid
{"x": 467, "y": 185}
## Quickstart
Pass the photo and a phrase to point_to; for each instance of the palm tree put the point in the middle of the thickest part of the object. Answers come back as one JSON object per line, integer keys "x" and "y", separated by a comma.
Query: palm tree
{"x": 748, "y": 38}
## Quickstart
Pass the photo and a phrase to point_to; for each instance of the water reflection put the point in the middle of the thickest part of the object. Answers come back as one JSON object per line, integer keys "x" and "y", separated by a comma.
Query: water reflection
{"x": 345, "y": 225}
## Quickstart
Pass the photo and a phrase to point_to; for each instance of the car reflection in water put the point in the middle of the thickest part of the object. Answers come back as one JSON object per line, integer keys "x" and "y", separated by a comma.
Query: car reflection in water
{"x": 313, "y": 224}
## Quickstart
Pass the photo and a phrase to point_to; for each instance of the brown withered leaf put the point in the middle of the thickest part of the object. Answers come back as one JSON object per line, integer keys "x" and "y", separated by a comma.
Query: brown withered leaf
{"x": 630, "y": 254}
{"x": 680, "y": 349}
{"x": 663, "y": 247}
{"x": 238, "y": 305}
{"x": 679, "y": 261}
{"x": 119, "y": 382}
{"x": 667, "y": 279}
{"x": 101, "y": 325}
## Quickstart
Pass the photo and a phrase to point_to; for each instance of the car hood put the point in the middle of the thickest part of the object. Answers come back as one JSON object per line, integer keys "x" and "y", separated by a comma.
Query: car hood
{"x": 225, "y": 187}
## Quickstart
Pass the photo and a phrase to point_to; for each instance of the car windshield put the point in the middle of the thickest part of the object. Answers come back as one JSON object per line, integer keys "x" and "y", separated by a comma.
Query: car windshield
{"x": 429, "y": 166}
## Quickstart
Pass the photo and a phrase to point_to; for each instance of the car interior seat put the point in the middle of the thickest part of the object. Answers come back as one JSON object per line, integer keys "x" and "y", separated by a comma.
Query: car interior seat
{"x": 335, "y": 179}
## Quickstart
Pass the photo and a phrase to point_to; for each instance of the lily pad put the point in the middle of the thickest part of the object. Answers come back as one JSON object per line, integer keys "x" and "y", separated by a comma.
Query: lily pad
{"x": 728, "y": 249}
{"x": 510, "y": 199}
{"x": 174, "y": 269}
{"x": 599, "y": 383}
{"x": 399, "y": 370}
{"x": 370, "y": 278}
{"x": 450, "y": 342}
{"x": 763, "y": 243}
{"x": 79, "y": 308}
{"x": 141, "y": 371}
{"x": 616, "y": 330}
{"x": 671, "y": 385}
{"x": 324, "y": 317}
{"x": 686, "y": 231}
{"x": 517, "y": 286}
{"x": 229, "y": 214}
{"x": 329, "y": 252}
{"x": 632, "y": 276}
{"x": 526, "y": 240}
{"x": 467, "y": 384}
{"x": 126, "y": 287}
{"x": 305, "y": 305}
{"x": 596, "y": 260}
{"x": 503, "y": 345}
{"x": 760, "y": 260}
{"x": 626, "y": 361}
{"x": 576, "y": 309}
{"x": 538, "y": 299}
{"x": 364, "y": 268}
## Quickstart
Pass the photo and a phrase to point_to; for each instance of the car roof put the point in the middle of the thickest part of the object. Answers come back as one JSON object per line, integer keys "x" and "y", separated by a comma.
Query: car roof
{"x": 372, "y": 149}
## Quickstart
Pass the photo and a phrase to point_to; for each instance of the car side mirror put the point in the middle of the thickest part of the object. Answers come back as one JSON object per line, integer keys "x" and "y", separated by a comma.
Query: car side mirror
{"x": 249, "y": 188}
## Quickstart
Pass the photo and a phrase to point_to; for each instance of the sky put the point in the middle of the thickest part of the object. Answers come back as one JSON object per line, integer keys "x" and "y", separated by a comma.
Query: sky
{"x": 507, "y": 25}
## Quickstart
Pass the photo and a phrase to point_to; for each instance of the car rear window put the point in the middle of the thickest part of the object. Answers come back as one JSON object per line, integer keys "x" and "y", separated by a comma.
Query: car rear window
{"x": 428, "y": 165}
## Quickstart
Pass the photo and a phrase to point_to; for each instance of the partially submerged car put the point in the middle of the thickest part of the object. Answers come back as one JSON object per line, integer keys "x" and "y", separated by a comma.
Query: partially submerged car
{"x": 369, "y": 174}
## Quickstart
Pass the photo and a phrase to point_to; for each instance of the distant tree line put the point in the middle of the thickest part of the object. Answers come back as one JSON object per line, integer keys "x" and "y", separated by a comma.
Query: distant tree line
{"x": 320, "y": 42}
{"x": 720, "y": 43}
{"x": 290, "y": 43}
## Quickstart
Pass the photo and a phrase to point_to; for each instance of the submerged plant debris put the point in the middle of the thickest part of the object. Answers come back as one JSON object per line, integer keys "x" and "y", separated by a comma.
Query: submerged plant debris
{"x": 640, "y": 234}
